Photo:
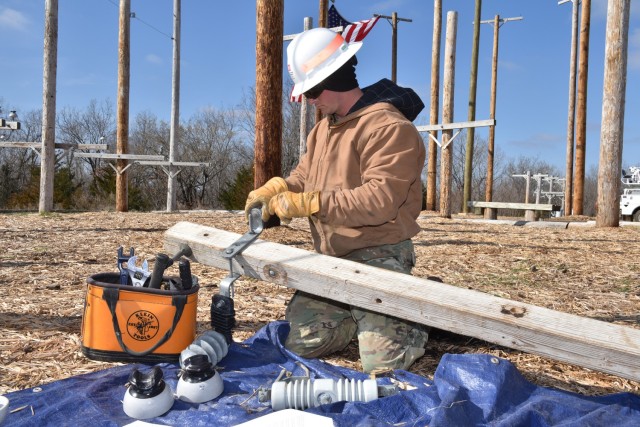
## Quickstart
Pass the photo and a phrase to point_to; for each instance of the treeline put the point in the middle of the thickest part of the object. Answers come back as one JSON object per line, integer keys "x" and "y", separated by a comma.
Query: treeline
{"x": 222, "y": 138}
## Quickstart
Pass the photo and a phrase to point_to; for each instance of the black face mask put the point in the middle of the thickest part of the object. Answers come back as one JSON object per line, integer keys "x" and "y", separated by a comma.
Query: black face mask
{"x": 342, "y": 80}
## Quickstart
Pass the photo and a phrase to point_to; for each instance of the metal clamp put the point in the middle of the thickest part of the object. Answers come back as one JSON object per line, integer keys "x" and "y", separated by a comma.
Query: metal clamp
{"x": 255, "y": 228}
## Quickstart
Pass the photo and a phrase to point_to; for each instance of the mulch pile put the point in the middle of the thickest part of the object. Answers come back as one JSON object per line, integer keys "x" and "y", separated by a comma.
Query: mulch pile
{"x": 586, "y": 271}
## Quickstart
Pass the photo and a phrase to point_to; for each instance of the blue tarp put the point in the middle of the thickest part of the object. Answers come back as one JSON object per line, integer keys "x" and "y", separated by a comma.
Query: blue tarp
{"x": 467, "y": 390}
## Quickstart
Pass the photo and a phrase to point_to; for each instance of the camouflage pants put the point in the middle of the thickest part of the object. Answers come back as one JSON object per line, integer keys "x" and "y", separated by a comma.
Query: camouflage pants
{"x": 320, "y": 326}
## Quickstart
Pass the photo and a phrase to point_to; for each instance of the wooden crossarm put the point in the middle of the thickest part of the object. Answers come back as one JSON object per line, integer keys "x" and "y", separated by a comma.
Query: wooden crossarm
{"x": 594, "y": 344}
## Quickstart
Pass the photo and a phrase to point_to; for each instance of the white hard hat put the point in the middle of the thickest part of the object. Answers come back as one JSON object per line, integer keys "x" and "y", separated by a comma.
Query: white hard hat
{"x": 314, "y": 55}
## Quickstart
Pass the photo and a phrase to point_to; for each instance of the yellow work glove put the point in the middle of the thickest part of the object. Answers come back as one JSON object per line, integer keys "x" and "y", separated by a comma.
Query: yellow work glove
{"x": 289, "y": 205}
{"x": 260, "y": 197}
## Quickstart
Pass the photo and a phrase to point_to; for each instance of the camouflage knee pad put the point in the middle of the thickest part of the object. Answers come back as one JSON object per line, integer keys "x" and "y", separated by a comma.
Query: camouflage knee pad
{"x": 318, "y": 326}
{"x": 387, "y": 342}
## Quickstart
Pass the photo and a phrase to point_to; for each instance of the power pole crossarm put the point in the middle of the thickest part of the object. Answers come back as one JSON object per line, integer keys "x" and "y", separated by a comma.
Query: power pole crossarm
{"x": 502, "y": 21}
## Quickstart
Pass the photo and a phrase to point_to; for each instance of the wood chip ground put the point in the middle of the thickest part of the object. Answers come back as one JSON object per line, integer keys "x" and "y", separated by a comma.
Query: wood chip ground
{"x": 46, "y": 260}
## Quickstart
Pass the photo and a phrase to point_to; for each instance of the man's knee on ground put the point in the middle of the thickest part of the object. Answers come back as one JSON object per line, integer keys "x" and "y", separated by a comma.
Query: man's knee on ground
{"x": 321, "y": 341}
{"x": 379, "y": 351}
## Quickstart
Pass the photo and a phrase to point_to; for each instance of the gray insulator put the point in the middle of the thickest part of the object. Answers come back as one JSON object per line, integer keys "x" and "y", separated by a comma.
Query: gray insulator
{"x": 211, "y": 343}
{"x": 305, "y": 393}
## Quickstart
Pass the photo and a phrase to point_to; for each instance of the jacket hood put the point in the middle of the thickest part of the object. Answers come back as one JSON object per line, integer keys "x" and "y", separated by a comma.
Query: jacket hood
{"x": 404, "y": 99}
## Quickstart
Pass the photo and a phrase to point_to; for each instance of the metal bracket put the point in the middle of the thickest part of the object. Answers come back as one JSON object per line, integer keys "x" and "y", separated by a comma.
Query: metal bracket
{"x": 255, "y": 228}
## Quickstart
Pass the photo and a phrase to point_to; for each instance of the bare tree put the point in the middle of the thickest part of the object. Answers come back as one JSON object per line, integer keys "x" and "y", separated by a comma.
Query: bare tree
{"x": 94, "y": 125}
{"x": 590, "y": 196}
{"x": 215, "y": 137}
{"x": 149, "y": 135}
{"x": 513, "y": 189}
{"x": 290, "y": 132}
{"x": 16, "y": 164}
{"x": 290, "y": 125}
{"x": 478, "y": 171}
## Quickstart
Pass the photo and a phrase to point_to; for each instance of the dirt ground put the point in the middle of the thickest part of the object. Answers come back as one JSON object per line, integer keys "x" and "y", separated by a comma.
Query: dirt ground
{"x": 586, "y": 271}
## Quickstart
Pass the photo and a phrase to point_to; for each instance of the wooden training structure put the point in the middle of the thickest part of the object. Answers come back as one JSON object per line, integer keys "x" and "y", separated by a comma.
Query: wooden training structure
{"x": 565, "y": 337}
{"x": 490, "y": 209}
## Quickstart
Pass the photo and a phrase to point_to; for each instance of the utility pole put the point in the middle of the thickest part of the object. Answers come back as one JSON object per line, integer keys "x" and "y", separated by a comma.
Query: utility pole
{"x": 471, "y": 132}
{"x": 394, "y": 40}
{"x": 581, "y": 112}
{"x": 497, "y": 22}
{"x": 432, "y": 161}
{"x": 268, "y": 123}
{"x": 446, "y": 152}
{"x": 568, "y": 188}
{"x": 323, "y": 12}
{"x": 175, "y": 108}
{"x": 323, "y": 22}
{"x": 613, "y": 100}
{"x": 122, "y": 131}
{"x": 47, "y": 159}
{"x": 304, "y": 107}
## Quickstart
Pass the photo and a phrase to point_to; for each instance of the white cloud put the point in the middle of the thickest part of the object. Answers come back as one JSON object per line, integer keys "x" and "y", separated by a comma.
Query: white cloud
{"x": 153, "y": 58}
{"x": 12, "y": 19}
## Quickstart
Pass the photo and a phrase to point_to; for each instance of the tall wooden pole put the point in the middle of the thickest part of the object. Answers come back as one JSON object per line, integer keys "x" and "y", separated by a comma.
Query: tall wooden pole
{"x": 304, "y": 107}
{"x": 488, "y": 192}
{"x": 432, "y": 161}
{"x": 471, "y": 132}
{"x": 394, "y": 41}
{"x": 47, "y": 159}
{"x": 175, "y": 107}
{"x": 568, "y": 185}
{"x": 613, "y": 103}
{"x": 268, "y": 131}
{"x": 394, "y": 47}
{"x": 447, "y": 114}
{"x": 581, "y": 112}
{"x": 323, "y": 12}
{"x": 496, "y": 22}
{"x": 122, "y": 131}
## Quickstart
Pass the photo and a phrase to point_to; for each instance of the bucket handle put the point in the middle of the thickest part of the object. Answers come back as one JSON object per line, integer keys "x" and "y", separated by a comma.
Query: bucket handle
{"x": 111, "y": 296}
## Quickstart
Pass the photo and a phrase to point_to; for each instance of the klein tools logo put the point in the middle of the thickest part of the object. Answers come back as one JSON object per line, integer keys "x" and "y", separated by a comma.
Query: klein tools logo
{"x": 142, "y": 325}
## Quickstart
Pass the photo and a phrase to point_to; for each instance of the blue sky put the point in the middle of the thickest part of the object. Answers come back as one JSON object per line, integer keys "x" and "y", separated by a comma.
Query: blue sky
{"x": 218, "y": 61}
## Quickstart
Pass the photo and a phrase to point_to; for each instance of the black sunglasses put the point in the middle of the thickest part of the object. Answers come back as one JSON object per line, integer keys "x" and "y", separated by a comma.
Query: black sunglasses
{"x": 314, "y": 92}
